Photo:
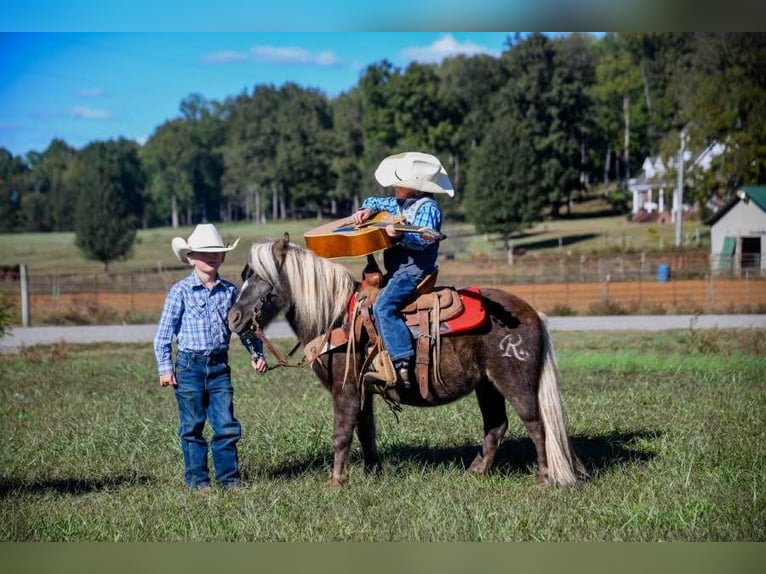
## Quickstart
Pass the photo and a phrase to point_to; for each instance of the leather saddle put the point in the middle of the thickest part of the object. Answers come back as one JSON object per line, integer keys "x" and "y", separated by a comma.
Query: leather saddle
{"x": 432, "y": 307}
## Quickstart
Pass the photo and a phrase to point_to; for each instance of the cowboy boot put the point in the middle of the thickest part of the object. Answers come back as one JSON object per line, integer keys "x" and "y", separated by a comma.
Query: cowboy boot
{"x": 402, "y": 368}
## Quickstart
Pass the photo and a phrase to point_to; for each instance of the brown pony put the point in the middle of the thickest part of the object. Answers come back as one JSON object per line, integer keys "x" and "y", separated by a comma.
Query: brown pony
{"x": 510, "y": 358}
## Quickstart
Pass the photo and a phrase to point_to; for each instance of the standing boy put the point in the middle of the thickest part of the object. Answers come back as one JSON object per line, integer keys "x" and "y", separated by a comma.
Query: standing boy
{"x": 195, "y": 313}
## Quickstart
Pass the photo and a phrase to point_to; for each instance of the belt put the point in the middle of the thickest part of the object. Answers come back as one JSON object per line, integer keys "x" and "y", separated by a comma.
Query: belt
{"x": 216, "y": 357}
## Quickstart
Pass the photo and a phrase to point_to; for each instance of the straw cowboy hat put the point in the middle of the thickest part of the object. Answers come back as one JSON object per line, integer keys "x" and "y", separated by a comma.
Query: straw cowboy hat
{"x": 414, "y": 170}
{"x": 204, "y": 239}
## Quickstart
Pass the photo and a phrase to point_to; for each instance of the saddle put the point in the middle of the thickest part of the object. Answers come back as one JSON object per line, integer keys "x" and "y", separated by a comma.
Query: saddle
{"x": 432, "y": 314}
{"x": 435, "y": 312}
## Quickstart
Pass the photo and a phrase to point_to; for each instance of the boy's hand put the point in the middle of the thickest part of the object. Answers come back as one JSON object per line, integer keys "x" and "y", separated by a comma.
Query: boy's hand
{"x": 361, "y": 215}
{"x": 168, "y": 380}
{"x": 392, "y": 232}
{"x": 259, "y": 365}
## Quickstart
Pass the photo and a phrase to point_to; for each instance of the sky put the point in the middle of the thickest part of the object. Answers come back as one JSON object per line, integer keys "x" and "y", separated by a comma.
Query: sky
{"x": 82, "y": 87}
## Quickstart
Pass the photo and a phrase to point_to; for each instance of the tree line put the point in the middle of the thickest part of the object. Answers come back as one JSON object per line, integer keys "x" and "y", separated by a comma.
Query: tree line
{"x": 522, "y": 135}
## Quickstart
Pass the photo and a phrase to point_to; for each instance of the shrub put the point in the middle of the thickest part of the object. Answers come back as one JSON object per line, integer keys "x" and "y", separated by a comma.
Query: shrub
{"x": 6, "y": 313}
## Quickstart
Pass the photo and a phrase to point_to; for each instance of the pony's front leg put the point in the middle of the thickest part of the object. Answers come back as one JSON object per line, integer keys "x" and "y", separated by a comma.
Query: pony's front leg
{"x": 345, "y": 414}
{"x": 367, "y": 433}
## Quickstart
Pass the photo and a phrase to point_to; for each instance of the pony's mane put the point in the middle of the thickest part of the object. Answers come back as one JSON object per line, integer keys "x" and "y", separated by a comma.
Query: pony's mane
{"x": 320, "y": 289}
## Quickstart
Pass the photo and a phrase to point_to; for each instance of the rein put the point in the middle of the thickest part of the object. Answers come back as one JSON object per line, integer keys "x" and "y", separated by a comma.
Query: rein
{"x": 281, "y": 361}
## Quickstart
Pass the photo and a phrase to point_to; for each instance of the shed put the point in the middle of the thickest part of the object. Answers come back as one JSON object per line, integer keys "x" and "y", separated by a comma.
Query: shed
{"x": 738, "y": 233}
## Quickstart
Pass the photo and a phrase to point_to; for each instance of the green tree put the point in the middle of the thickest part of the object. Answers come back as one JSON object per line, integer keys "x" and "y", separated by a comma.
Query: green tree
{"x": 348, "y": 150}
{"x": 249, "y": 152}
{"x": 724, "y": 103}
{"x": 503, "y": 196}
{"x": 48, "y": 173}
{"x": 618, "y": 95}
{"x": 167, "y": 159}
{"x": 378, "y": 124}
{"x": 108, "y": 180}
{"x": 206, "y": 133}
{"x": 302, "y": 172}
{"x": 13, "y": 181}
{"x": 569, "y": 113}
{"x": 470, "y": 85}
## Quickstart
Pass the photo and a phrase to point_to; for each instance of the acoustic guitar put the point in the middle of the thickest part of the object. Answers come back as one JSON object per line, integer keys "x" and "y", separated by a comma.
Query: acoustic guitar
{"x": 344, "y": 238}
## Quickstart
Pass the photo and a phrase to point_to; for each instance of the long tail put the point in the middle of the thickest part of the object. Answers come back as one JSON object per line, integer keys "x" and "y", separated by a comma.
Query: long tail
{"x": 563, "y": 465}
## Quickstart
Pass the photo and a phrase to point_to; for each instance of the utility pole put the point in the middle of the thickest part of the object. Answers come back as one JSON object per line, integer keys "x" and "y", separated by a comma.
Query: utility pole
{"x": 679, "y": 198}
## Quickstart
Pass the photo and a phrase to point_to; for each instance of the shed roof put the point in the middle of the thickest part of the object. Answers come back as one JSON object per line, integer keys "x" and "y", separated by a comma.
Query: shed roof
{"x": 754, "y": 193}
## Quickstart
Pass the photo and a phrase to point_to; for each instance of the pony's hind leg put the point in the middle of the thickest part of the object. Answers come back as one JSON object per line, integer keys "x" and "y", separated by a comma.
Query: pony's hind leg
{"x": 492, "y": 405}
{"x": 520, "y": 392}
{"x": 527, "y": 408}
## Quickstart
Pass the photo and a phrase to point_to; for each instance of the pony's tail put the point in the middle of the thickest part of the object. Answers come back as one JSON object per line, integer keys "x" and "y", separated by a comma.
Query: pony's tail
{"x": 564, "y": 467}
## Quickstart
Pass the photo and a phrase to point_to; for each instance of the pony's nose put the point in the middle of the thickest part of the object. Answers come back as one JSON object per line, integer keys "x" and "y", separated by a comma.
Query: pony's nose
{"x": 234, "y": 317}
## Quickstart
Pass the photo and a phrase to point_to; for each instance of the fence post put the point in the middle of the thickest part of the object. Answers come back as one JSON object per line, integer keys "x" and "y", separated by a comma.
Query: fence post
{"x": 24, "y": 295}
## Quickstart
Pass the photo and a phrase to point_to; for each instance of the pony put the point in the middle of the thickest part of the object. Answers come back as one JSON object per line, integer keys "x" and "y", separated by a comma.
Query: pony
{"x": 511, "y": 357}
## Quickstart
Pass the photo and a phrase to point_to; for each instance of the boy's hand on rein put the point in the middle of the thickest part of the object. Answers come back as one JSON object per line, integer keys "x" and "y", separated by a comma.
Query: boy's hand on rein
{"x": 260, "y": 365}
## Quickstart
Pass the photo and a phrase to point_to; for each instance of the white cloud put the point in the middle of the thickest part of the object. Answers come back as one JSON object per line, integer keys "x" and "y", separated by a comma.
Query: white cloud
{"x": 293, "y": 55}
{"x": 274, "y": 55}
{"x": 444, "y": 47}
{"x": 84, "y": 112}
{"x": 92, "y": 93}
{"x": 224, "y": 57}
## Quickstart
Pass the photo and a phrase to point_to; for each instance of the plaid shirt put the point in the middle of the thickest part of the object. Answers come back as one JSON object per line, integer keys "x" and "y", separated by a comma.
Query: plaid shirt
{"x": 428, "y": 215}
{"x": 412, "y": 254}
{"x": 198, "y": 318}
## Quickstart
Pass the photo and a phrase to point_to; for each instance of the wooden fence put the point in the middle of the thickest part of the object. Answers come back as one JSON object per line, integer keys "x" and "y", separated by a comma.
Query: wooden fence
{"x": 606, "y": 297}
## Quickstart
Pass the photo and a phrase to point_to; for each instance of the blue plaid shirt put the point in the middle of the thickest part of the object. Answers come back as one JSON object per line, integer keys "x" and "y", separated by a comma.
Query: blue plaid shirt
{"x": 412, "y": 254}
{"x": 198, "y": 318}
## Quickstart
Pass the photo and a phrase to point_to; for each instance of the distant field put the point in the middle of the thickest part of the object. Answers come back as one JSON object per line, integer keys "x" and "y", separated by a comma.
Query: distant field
{"x": 56, "y": 253}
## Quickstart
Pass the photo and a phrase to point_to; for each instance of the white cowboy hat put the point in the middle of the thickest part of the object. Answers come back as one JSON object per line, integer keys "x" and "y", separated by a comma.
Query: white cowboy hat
{"x": 414, "y": 170}
{"x": 204, "y": 239}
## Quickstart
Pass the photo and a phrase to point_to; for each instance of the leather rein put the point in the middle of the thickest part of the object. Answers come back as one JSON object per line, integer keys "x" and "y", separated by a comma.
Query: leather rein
{"x": 281, "y": 361}
{"x": 257, "y": 330}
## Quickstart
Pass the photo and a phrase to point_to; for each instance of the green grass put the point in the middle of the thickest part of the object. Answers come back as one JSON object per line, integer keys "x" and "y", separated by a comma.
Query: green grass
{"x": 671, "y": 426}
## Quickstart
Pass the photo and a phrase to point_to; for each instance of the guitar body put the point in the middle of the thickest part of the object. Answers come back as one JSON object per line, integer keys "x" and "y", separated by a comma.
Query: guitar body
{"x": 341, "y": 238}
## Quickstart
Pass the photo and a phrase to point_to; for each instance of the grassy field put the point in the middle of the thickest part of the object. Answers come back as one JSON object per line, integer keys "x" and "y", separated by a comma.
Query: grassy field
{"x": 671, "y": 426}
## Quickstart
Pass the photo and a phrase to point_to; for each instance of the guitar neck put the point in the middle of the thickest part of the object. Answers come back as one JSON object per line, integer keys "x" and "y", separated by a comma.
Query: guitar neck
{"x": 424, "y": 231}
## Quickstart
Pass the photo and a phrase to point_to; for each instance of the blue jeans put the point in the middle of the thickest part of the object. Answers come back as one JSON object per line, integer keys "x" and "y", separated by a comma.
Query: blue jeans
{"x": 204, "y": 391}
{"x": 388, "y": 316}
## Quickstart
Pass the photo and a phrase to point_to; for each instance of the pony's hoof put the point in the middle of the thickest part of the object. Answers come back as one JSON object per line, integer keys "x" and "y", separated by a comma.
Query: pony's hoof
{"x": 478, "y": 466}
{"x": 336, "y": 482}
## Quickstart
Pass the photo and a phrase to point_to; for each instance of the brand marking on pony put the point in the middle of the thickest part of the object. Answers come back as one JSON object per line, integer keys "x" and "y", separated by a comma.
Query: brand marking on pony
{"x": 510, "y": 347}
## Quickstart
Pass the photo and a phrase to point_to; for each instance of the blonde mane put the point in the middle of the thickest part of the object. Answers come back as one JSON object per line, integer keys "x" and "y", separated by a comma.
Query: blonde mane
{"x": 320, "y": 289}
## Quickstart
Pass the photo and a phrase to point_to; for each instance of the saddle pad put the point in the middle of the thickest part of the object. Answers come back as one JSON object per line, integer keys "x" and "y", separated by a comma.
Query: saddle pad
{"x": 472, "y": 317}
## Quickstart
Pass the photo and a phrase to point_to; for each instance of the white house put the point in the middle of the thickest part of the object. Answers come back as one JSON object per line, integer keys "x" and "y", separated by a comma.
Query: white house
{"x": 738, "y": 233}
{"x": 652, "y": 188}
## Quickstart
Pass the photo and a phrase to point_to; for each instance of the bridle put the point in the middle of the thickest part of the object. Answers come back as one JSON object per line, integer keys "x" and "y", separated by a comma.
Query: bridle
{"x": 257, "y": 330}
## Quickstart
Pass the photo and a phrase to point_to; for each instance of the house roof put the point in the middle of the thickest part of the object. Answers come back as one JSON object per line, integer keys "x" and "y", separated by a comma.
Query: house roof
{"x": 754, "y": 193}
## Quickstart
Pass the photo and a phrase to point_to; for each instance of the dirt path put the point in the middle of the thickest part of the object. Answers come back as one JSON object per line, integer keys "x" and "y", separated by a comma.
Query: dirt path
{"x": 29, "y": 336}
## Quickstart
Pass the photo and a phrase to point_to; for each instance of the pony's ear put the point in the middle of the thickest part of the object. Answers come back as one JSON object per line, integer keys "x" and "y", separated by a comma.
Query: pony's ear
{"x": 281, "y": 247}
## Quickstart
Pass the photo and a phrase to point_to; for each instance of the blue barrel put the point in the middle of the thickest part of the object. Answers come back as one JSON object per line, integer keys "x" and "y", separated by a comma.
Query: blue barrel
{"x": 663, "y": 272}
